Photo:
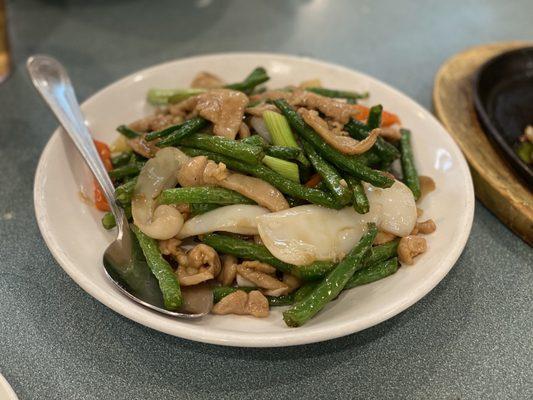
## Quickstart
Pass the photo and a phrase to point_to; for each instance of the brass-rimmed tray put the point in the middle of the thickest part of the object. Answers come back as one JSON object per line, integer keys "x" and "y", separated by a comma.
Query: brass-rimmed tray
{"x": 496, "y": 184}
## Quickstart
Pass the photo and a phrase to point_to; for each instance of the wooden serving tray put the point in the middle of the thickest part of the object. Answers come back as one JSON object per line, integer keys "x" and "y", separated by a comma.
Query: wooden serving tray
{"x": 496, "y": 184}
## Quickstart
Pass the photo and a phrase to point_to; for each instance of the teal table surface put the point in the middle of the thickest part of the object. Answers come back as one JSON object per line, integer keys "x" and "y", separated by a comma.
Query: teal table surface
{"x": 470, "y": 338}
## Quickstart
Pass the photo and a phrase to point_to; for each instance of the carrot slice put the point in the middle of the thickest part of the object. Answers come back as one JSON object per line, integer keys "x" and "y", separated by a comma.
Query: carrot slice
{"x": 100, "y": 201}
{"x": 387, "y": 118}
{"x": 313, "y": 181}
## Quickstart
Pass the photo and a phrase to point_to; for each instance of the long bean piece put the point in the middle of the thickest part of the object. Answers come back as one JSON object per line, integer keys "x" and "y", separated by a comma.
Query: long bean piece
{"x": 197, "y": 209}
{"x": 126, "y": 170}
{"x": 252, "y": 251}
{"x": 256, "y": 77}
{"x": 187, "y": 128}
{"x": 127, "y": 132}
{"x": 202, "y": 194}
{"x": 337, "y": 94}
{"x": 373, "y": 273}
{"x": 283, "y": 152}
{"x": 360, "y": 201}
{"x": 410, "y": 176}
{"x": 331, "y": 178}
{"x": 124, "y": 192}
{"x": 232, "y": 148}
{"x": 333, "y": 284}
{"x": 385, "y": 150}
{"x": 373, "y": 120}
{"x": 168, "y": 282}
{"x": 342, "y": 161}
{"x": 285, "y": 185}
{"x": 163, "y": 132}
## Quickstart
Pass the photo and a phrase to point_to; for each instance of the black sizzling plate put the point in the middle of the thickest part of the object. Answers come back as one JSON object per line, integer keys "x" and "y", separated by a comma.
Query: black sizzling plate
{"x": 503, "y": 96}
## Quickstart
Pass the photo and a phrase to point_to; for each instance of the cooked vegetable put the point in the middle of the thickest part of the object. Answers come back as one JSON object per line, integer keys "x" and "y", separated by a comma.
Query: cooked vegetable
{"x": 374, "y": 117}
{"x": 360, "y": 201}
{"x": 168, "y": 282}
{"x": 256, "y": 140}
{"x": 373, "y": 273}
{"x": 382, "y": 252}
{"x": 198, "y": 209}
{"x": 333, "y": 284}
{"x": 108, "y": 221}
{"x": 279, "y": 129}
{"x": 159, "y": 173}
{"x": 385, "y": 150}
{"x": 202, "y": 195}
{"x": 187, "y": 128}
{"x": 283, "y": 152}
{"x": 525, "y": 152}
{"x": 346, "y": 163}
{"x": 334, "y": 182}
{"x": 410, "y": 175}
{"x": 252, "y": 251}
{"x": 121, "y": 159}
{"x": 338, "y": 94}
{"x": 387, "y": 118}
{"x": 124, "y": 192}
{"x": 162, "y": 133}
{"x": 259, "y": 171}
{"x": 159, "y": 97}
{"x": 285, "y": 168}
{"x": 104, "y": 152}
{"x": 256, "y": 77}
{"x": 127, "y": 132}
{"x": 232, "y": 148}
{"x": 238, "y": 218}
{"x": 126, "y": 170}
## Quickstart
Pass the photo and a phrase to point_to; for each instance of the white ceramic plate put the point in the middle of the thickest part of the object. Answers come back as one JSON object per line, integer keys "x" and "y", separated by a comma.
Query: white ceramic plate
{"x": 75, "y": 237}
{"x": 6, "y": 392}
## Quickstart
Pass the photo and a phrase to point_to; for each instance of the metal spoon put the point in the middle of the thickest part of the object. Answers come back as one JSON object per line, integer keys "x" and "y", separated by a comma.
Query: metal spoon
{"x": 123, "y": 261}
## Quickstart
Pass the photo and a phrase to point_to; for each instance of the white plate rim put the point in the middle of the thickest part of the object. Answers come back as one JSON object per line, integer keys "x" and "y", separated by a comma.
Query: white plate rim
{"x": 274, "y": 340}
{"x": 7, "y": 389}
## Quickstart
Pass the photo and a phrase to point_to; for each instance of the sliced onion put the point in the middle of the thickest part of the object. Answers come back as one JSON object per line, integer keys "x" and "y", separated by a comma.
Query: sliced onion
{"x": 238, "y": 218}
{"x": 260, "y": 127}
{"x": 159, "y": 173}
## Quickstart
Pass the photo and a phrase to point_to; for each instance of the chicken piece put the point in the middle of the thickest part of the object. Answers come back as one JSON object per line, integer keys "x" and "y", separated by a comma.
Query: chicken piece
{"x": 206, "y": 80}
{"x": 229, "y": 270}
{"x": 203, "y": 264}
{"x": 427, "y": 185}
{"x": 242, "y": 303}
{"x": 171, "y": 247}
{"x": 426, "y": 227}
{"x": 383, "y": 237}
{"x": 344, "y": 144}
{"x": 410, "y": 247}
{"x": 389, "y": 133}
{"x": 258, "y": 111}
{"x": 200, "y": 171}
{"x": 244, "y": 131}
{"x": 259, "y": 266}
{"x": 291, "y": 281}
{"x": 143, "y": 147}
{"x": 260, "y": 279}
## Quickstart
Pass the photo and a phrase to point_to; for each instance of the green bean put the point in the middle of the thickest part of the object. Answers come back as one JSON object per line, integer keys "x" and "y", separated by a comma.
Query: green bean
{"x": 256, "y": 140}
{"x": 331, "y": 178}
{"x": 127, "y": 132}
{"x": 360, "y": 201}
{"x": 202, "y": 195}
{"x": 124, "y": 192}
{"x": 108, "y": 221}
{"x": 121, "y": 159}
{"x": 197, "y": 209}
{"x": 163, "y": 132}
{"x": 373, "y": 120}
{"x": 219, "y": 292}
{"x": 373, "y": 273}
{"x": 256, "y": 77}
{"x": 161, "y": 269}
{"x": 126, "y": 170}
{"x": 382, "y": 252}
{"x": 232, "y": 148}
{"x": 360, "y": 131}
{"x": 337, "y": 94}
{"x": 252, "y": 251}
{"x": 410, "y": 176}
{"x": 285, "y": 185}
{"x": 187, "y": 128}
{"x": 333, "y": 284}
{"x": 342, "y": 161}
{"x": 304, "y": 291}
{"x": 283, "y": 152}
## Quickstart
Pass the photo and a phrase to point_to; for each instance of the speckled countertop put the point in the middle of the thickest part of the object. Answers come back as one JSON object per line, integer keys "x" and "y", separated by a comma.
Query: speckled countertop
{"x": 470, "y": 338}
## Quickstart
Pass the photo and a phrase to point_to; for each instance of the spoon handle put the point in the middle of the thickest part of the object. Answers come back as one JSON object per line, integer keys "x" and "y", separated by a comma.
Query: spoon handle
{"x": 53, "y": 83}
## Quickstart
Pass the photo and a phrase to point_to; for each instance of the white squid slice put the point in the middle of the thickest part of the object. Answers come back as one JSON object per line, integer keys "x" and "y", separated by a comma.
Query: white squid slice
{"x": 304, "y": 234}
{"x": 238, "y": 218}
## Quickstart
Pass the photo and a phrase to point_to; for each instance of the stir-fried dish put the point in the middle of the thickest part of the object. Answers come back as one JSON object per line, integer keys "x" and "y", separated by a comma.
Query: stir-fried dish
{"x": 524, "y": 148}
{"x": 263, "y": 198}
